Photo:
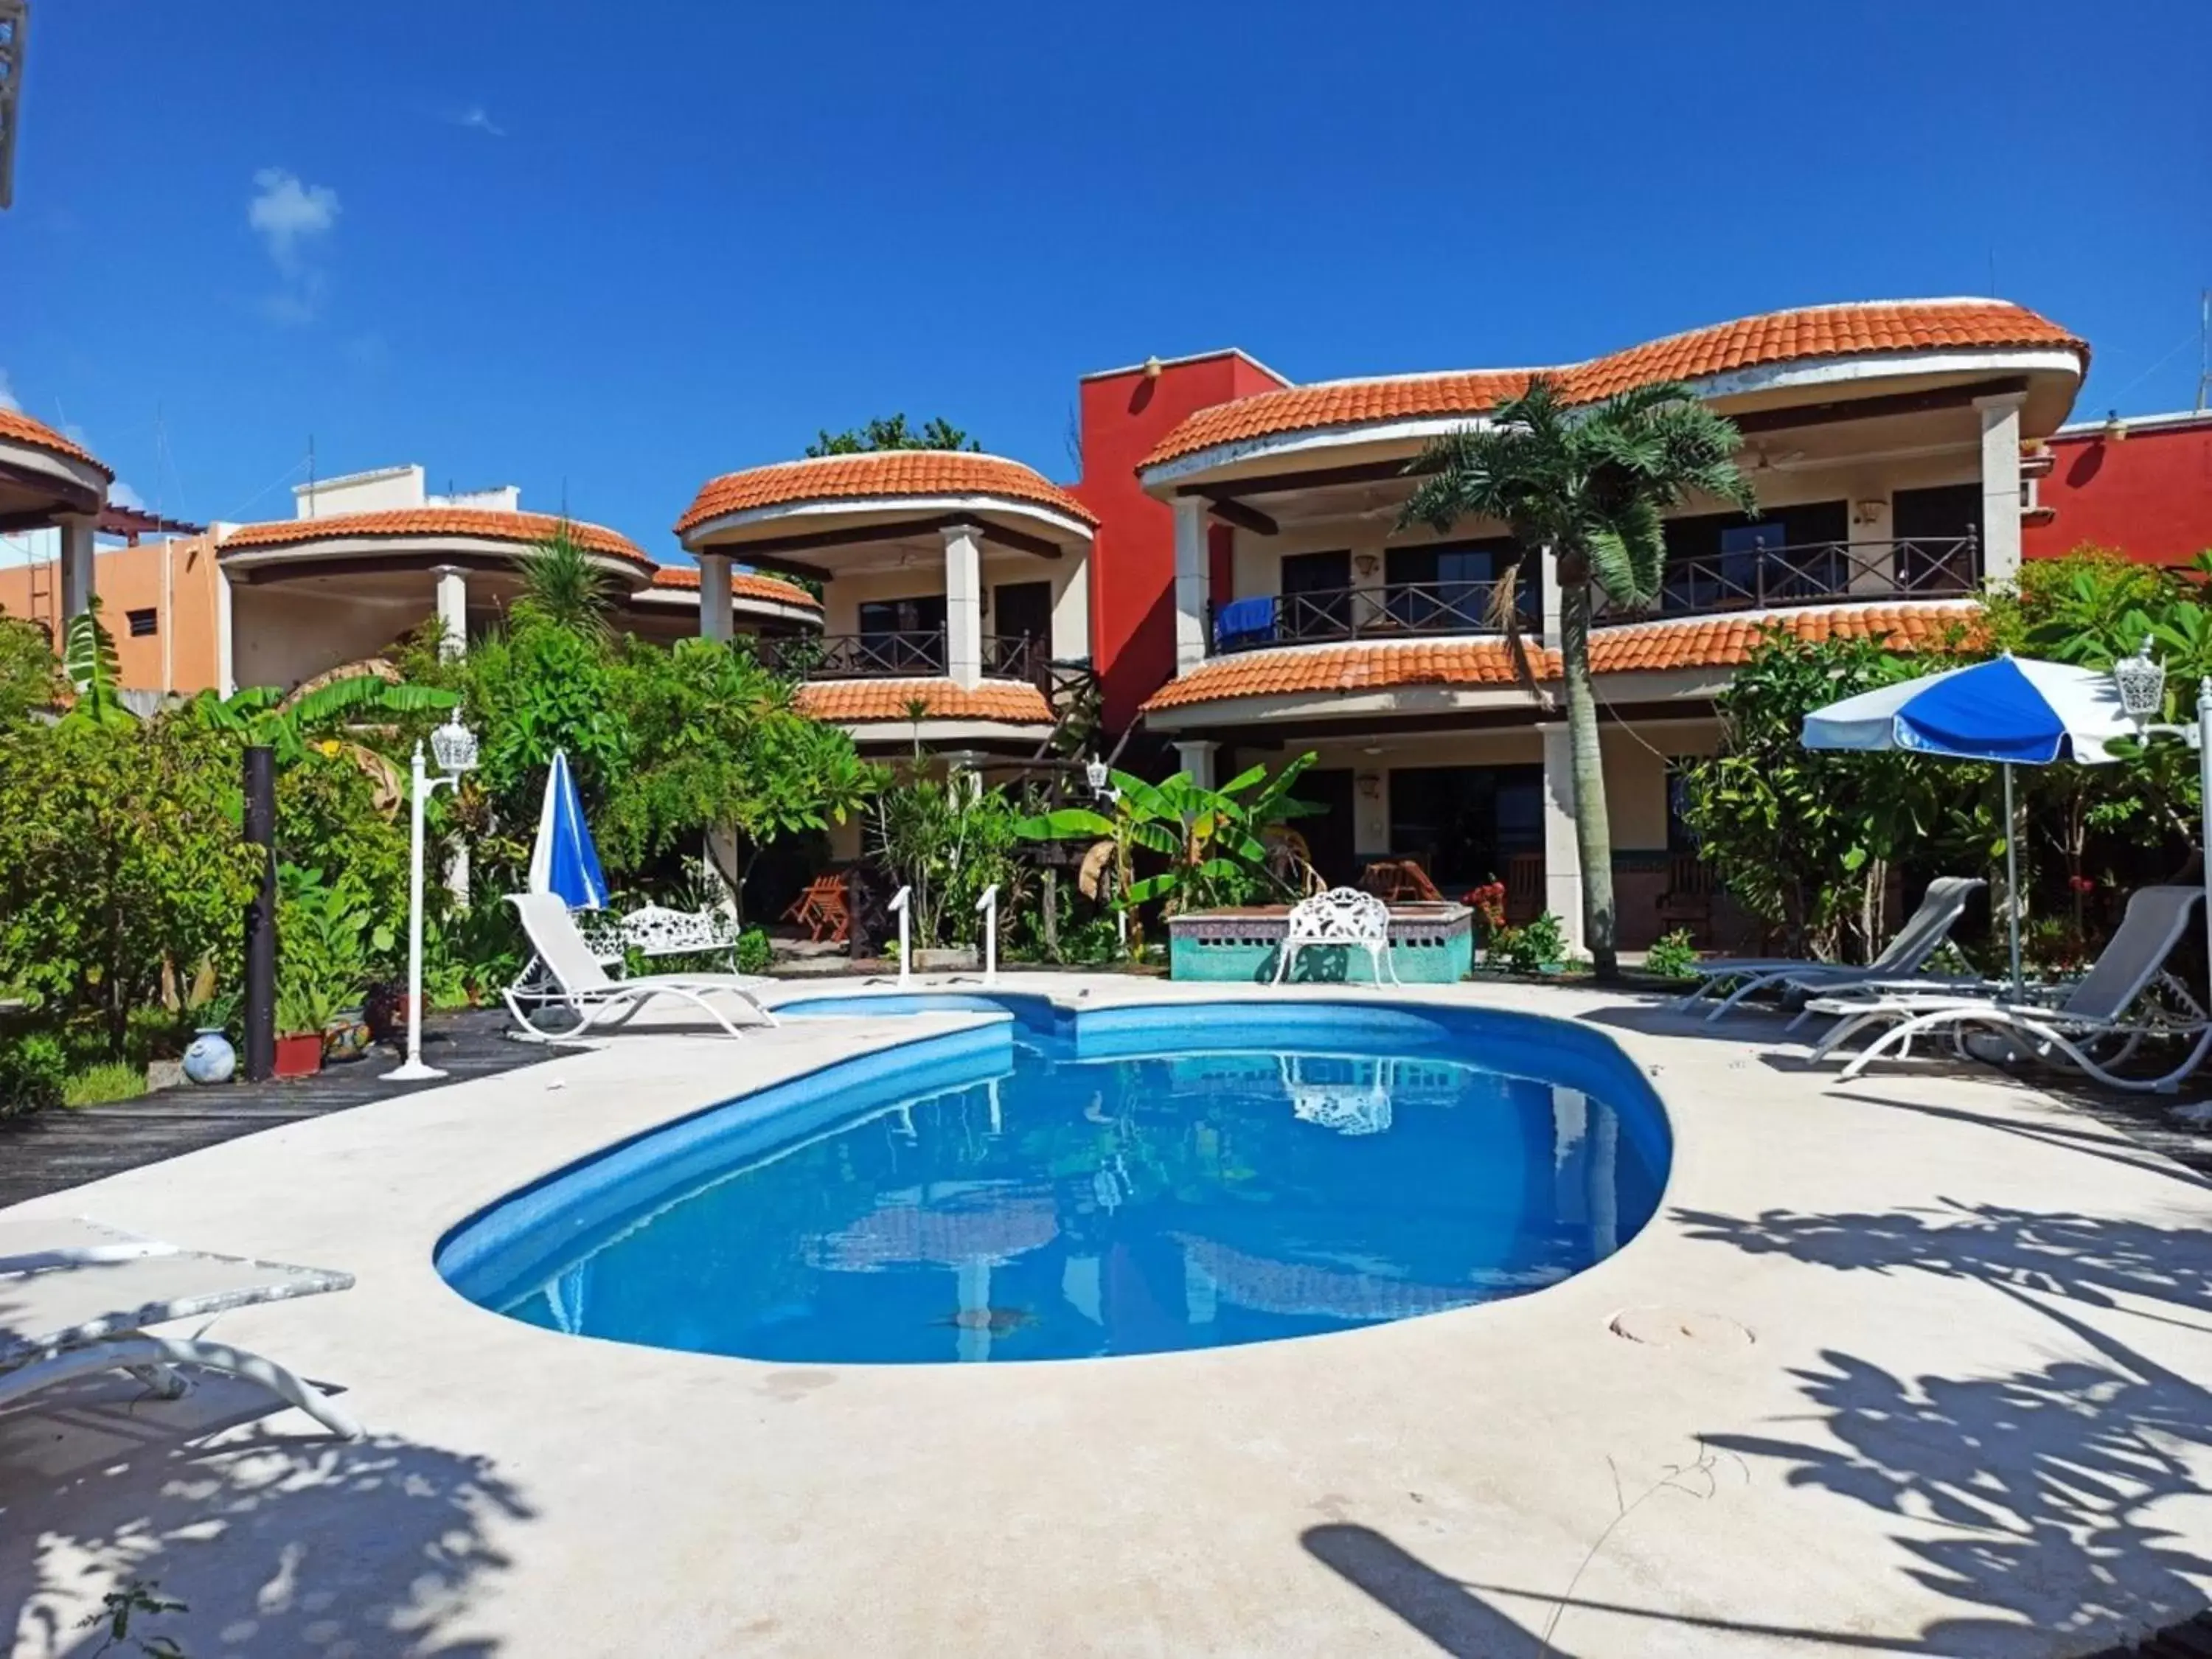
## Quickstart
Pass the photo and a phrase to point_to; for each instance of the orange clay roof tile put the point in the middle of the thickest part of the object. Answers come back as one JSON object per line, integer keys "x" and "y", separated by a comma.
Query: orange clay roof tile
{"x": 1689, "y": 642}
{"x": 886, "y": 473}
{"x": 16, "y": 426}
{"x": 1781, "y": 337}
{"x": 744, "y": 585}
{"x": 523, "y": 529}
{"x": 890, "y": 700}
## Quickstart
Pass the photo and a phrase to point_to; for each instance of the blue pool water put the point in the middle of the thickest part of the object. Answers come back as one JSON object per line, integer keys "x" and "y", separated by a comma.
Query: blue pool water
{"x": 1120, "y": 1183}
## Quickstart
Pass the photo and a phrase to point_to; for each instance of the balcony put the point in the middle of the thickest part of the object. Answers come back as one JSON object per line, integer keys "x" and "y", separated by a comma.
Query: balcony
{"x": 1763, "y": 579}
{"x": 1813, "y": 572}
{"x": 1396, "y": 610}
{"x": 900, "y": 655}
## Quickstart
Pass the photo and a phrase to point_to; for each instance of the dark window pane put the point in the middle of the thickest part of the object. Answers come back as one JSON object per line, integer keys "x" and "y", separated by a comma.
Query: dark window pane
{"x": 142, "y": 622}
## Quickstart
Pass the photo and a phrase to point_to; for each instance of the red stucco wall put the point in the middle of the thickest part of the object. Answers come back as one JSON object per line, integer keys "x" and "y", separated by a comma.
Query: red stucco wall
{"x": 1132, "y": 558}
{"x": 2149, "y": 495}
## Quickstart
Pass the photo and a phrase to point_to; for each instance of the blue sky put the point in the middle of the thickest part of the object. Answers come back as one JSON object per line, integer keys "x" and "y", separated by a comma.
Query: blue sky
{"x": 615, "y": 250}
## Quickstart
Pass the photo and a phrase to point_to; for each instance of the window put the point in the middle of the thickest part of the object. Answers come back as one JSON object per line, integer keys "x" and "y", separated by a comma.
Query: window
{"x": 1446, "y": 585}
{"x": 921, "y": 614}
{"x": 903, "y": 636}
{"x": 144, "y": 624}
{"x": 1681, "y": 838}
{"x": 1315, "y": 604}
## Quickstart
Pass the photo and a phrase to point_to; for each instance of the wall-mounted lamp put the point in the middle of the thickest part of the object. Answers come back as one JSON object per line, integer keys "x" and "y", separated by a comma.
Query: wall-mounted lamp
{"x": 1370, "y": 785}
{"x": 1869, "y": 511}
{"x": 1364, "y": 563}
{"x": 2116, "y": 429}
{"x": 1152, "y": 368}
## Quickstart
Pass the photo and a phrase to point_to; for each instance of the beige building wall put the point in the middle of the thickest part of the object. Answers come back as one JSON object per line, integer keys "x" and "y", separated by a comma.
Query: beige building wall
{"x": 843, "y": 596}
{"x": 284, "y": 635}
{"x": 175, "y": 579}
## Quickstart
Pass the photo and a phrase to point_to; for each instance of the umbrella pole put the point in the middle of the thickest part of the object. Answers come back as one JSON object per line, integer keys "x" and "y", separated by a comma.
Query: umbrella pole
{"x": 2012, "y": 881}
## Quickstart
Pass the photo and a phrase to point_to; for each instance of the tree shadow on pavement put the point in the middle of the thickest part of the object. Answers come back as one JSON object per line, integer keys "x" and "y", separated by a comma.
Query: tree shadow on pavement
{"x": 2046, "y": 1499}
{"x": 277, "y": 1542}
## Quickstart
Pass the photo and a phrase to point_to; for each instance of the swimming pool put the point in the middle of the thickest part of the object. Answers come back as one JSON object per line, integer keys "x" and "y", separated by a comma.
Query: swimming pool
{"x": 1123, "y": 1181}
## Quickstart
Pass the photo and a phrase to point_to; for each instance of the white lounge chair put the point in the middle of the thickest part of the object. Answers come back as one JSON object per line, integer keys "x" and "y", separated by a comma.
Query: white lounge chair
{"x": 1926, "y": 928}
{"x": 1349, "y": 916}
{"x": 76, "y": 1298}
{"x": 2095, "y": 1011}
{"x": 581, "y": 984}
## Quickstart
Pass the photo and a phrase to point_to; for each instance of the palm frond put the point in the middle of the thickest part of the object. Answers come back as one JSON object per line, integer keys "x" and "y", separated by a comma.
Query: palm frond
{"x": 563, "y": 586}
{"x": 88, "y": 660}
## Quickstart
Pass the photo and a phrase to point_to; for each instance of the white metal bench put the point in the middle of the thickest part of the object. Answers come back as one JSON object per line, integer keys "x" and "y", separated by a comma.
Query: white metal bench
{"x": 1349, "y": 916}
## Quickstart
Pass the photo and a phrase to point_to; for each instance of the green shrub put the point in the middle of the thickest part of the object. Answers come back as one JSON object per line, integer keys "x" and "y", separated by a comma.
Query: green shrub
{"x": 753, "y": 951}
{"x": 1674, "y": 957}
{"x": 97, "y": 1084}
{"x": 1539, "y": 946}
{"x": 33, "y": 1068}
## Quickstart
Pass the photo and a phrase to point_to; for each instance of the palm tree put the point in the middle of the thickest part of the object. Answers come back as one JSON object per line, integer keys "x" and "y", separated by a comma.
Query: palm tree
{"x": 1591, "y": 485}
{"x": 562, "y": 585}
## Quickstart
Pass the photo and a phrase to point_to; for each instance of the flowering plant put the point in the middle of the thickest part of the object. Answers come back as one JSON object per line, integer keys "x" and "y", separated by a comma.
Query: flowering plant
{"x": 1488, "y": 902}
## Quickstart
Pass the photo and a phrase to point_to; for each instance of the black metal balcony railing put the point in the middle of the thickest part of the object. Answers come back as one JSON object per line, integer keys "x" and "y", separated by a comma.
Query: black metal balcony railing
{"x": 1395, "y": 610}
{"x": 1815, "y": 572}
{"x": 917, "y": 653}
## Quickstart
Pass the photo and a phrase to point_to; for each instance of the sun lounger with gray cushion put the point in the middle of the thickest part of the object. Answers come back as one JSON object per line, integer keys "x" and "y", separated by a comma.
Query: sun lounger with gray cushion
{"x": 2108, "y": 1006}
{"x": 1732, "y": 979}
{"x": 75, "y": 1298}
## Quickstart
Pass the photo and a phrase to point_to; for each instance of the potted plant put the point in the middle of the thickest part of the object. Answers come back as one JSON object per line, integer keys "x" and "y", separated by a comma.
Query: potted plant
{"x": 322, "y": 964}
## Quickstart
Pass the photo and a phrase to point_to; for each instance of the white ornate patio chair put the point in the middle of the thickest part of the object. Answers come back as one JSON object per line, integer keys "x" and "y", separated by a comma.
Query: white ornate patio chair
{"x": 1349, "y": 916}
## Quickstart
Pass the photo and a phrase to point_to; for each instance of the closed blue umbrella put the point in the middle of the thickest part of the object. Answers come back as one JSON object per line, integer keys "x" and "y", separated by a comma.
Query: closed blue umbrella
{"x": 564, "y": 861}
{"x": 2012, "y": 710}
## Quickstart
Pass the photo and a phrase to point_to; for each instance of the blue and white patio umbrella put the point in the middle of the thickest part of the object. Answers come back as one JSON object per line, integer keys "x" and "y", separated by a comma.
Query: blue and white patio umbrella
{"x": 564, "y": 861}
{"x": 2014, "y": 711}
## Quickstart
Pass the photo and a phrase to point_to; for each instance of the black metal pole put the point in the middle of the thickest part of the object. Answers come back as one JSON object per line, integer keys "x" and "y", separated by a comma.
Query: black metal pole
{"x": 261, "y": 918}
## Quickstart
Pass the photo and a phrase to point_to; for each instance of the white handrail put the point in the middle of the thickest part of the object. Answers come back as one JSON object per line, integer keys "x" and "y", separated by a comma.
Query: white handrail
{"x": 906, "y": 944}
{"x": 988, "y": 906}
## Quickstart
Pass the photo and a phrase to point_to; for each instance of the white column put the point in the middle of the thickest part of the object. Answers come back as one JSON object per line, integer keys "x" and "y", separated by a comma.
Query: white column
{"x": 77, "y": 563}
{"x": 1547, "y": 567}
{"x": 1197, "y": 757}
{"x": 452, "y": 612}
{"x": 716, "y": 621}
{"x": 963, "y": 605}
{"x": 1563, "y": 857}
{"x": 226, "y": 635}
{"x": 1194, "y": 582}
{"x": 2000, "y": 525}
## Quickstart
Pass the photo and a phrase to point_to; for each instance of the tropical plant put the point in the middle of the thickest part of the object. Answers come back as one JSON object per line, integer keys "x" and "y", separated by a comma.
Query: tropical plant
{"x": 1590, "y": 486}
{"x": 893, "y": 434}
{"x": 1538, "y": 947}
{"x": 1804, "y": 838}
{"x": 1673, "y": 956}
{"x": 29, "y": 677}
{"x": 89, "y": 664}
{"x": 287, "y": 722}
{"x": 1211, "y": 841}
{"x": 564, "y": 587}
{"x": 325, "y": 934}
{"x": 946, "y": 839}
{"x": 104, "y": 1082}
{"x": 120, "y": 853}
{"x": 719, "y": 752}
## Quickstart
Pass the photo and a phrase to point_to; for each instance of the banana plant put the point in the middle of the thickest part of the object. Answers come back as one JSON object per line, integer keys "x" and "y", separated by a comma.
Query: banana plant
{"x": 1211, "y": 841}
{"x": 287, "y": 722}
{"x": 88, "y": 661}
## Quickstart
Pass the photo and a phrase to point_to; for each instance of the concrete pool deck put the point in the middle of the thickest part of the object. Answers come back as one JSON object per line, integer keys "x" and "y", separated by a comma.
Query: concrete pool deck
{"x": 1974, "y": 1415}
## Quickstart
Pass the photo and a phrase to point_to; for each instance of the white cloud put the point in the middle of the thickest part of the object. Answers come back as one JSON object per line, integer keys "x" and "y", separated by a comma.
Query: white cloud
{"x": 477, "y": 116}
{"x": 8, "y": 395}
{"x": 288, "y": 213}
{"x": 292, "y": 219}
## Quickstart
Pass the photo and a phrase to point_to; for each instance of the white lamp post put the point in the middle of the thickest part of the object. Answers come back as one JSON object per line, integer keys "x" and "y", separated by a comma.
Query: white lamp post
{"x": 906, "y": 943}
{"x": 454, "y": 747}
{"x": 988, "y": 905}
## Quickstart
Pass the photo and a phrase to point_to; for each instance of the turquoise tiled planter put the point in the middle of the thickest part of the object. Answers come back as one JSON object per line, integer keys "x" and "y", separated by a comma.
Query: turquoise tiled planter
{"x": 1430, "y": 944}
